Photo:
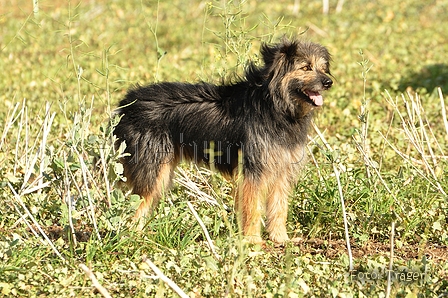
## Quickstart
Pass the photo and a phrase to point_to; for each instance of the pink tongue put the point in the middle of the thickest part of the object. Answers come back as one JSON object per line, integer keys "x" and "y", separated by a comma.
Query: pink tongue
{"x": 316, "y": 98}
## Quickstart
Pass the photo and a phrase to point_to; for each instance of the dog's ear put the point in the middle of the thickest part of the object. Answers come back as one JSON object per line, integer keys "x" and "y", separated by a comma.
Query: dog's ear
{"x": 279, "y": 60}
{"x": 288, "y": 48}
{"x": 269, "y": 52}
{"x": 283, "y": 51}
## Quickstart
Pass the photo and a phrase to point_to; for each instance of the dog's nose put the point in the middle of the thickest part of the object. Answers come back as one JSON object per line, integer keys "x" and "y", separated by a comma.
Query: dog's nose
{"x": 327, "y": 82}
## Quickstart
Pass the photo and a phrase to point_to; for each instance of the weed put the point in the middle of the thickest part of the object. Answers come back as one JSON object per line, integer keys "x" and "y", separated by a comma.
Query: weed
{"x": 63, "y": 218}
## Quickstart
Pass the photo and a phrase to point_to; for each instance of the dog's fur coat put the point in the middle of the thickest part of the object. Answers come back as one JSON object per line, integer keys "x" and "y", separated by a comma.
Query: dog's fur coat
{"x": 263, "y": 117}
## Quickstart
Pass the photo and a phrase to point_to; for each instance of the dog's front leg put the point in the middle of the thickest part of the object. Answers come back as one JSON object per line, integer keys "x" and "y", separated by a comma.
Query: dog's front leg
{"x": 248, "y": 205}
{"x": 277, "y": 209}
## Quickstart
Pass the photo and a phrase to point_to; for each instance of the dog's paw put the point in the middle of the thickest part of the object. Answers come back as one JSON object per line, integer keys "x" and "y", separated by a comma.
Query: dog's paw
{"x": 279, "y": 238}
{"x": 253, "y": 240}
{"x": 138, "y": 223}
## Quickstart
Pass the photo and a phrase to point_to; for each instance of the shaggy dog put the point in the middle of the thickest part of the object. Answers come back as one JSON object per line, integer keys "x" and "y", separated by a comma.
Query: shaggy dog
{"x": 258, "y": 125}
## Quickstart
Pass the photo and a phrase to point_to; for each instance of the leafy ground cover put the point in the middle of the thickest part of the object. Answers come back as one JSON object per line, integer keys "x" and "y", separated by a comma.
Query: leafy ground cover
{"x": 380, "y": 141}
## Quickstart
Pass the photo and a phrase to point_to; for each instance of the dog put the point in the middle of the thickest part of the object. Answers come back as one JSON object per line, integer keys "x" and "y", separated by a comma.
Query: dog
{"x": 253, "y": 130}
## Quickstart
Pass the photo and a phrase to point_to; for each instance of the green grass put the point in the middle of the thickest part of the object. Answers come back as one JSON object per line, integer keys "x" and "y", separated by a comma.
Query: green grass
{"x": 65, "y": 69}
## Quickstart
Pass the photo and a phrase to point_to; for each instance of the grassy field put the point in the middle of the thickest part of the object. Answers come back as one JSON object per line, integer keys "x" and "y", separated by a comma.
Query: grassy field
{"x": 381, "y": 142}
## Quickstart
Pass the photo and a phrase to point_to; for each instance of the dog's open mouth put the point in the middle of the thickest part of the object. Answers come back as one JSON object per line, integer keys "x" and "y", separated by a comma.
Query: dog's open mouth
{"x": 314, "y": 96}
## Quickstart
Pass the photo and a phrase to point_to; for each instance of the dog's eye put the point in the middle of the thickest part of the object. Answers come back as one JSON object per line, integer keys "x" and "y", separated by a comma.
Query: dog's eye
{"x": 306, "y": 68}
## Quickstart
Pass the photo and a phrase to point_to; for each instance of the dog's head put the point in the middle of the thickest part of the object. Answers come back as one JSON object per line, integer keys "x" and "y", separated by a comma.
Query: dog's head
{"x": 297, "y": 73}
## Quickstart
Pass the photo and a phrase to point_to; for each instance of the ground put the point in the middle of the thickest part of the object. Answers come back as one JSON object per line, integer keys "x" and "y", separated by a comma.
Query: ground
{"x": 380, "y": 141}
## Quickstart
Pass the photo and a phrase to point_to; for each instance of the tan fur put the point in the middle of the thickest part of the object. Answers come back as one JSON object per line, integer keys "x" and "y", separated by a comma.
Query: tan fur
{"x": 270, "y": 195}
{"x": 251, "y": 210}
{"x": 150, "y": 200}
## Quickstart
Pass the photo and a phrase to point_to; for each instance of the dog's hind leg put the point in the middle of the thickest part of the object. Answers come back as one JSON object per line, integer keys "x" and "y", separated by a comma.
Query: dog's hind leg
{"x": 149, "y": 171}
{"x": 152, "y": 192}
